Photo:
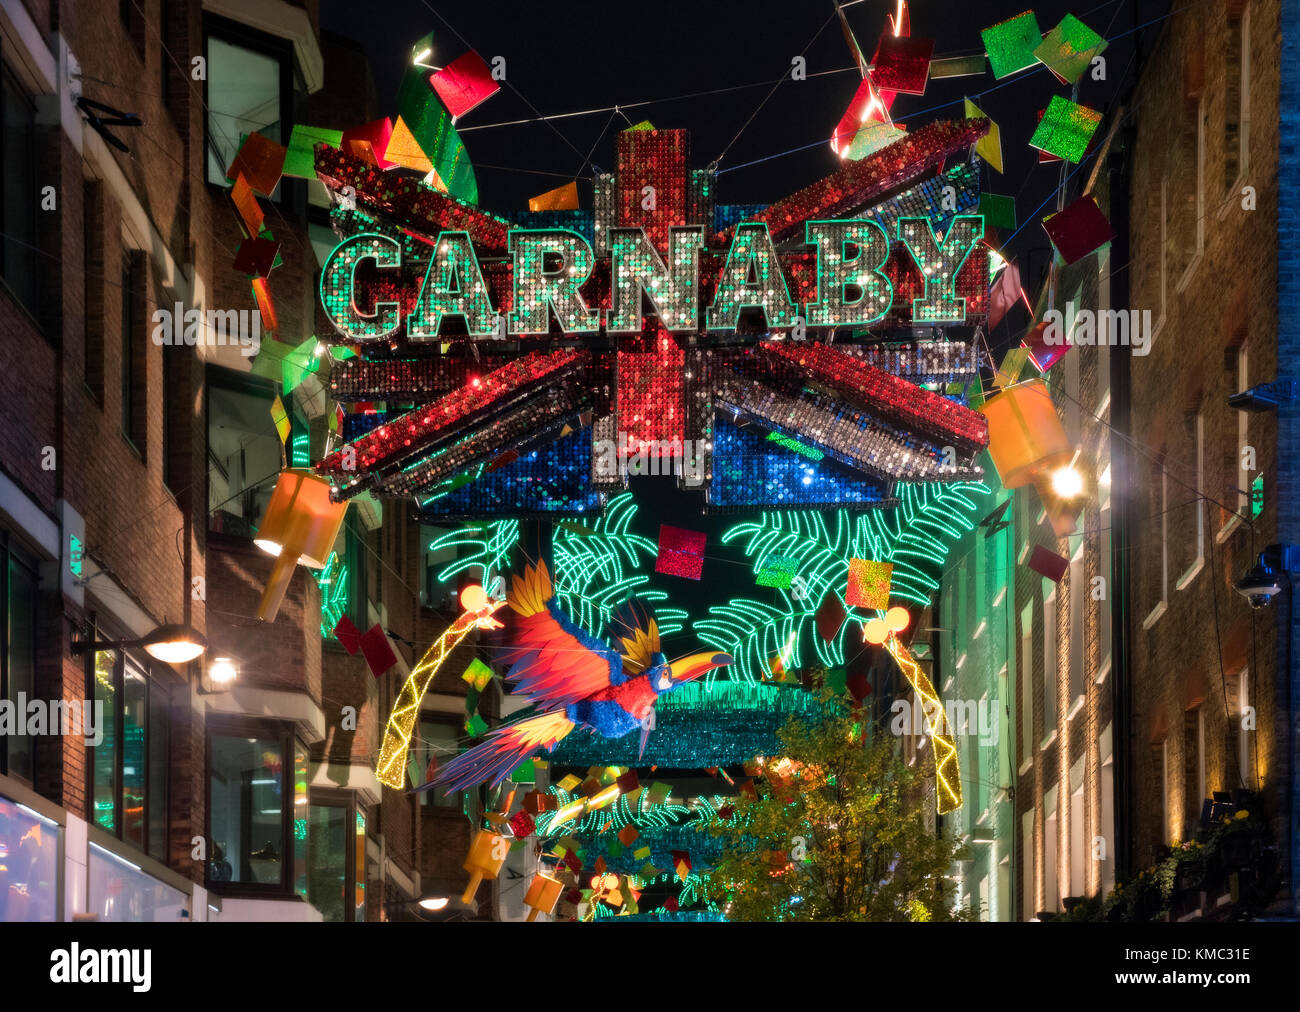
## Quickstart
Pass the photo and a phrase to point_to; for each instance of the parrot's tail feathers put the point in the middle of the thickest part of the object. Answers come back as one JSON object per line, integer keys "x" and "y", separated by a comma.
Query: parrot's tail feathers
{"x": 493, "y": 760}
{"x": 529, "y": 593}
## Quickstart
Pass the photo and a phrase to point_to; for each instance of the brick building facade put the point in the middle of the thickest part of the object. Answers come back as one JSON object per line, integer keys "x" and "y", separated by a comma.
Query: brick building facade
{"x": 1206, "y": 478}
{"x": 133, "y": 474}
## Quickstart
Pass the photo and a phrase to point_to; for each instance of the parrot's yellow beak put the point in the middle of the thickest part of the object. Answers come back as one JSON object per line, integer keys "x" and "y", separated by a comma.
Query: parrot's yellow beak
{"x": 687, "y": 668}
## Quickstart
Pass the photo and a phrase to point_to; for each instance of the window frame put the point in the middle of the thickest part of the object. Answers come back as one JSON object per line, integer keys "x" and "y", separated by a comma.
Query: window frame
{"x": 337, "y": 797}
{"x": 1161, "y": 606}
{"x": 1051, "y": 668}
{"x": 8, "y": 554}
{"x": 281, "y": 50}
{"x": 239, "y": 383}
{"x": 1233, "y": 193}
{"x": 156, "y": 679}
{"x": 1198, "y": 563}
{"x": 1243, "y": 480}
{"x": 11, "y": 80}
{"x": 454, "y": 721}
{"x": 243, "y": 726}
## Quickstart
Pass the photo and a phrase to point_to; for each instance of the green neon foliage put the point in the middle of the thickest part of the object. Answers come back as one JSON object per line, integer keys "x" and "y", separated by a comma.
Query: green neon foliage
{"x": 593, "y": 574}
{"x": 915, "y": 536}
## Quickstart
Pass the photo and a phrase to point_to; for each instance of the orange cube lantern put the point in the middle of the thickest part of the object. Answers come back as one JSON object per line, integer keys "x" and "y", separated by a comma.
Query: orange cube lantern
{"x": 543, "y": 893}
{"x": 1026, "y": 438}
{"x": 300, "y": 527}
{"x": 487, "y": 853}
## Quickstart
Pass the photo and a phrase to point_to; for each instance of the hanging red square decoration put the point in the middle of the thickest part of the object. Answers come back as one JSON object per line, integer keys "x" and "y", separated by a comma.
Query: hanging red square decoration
{"x": 681, "y": 552}
{"x": 902, "y": 64}
{"x": 522, "y": 825}
{"x": 1079, "y": 229}
{"x": 348, "y": 635}
{"x": 464, "y": 83}
{"x": 377, "y": 651}
{"x": 830, "y": 616}
{"x": 1047, "y": 563}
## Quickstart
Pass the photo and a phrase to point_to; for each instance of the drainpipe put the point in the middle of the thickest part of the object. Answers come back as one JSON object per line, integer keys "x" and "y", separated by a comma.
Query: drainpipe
{"x": 1288, "y": 415}
{"x": 1122, "y": 488}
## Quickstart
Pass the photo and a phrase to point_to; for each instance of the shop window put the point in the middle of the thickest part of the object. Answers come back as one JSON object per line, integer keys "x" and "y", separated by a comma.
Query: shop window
{"x": 129, "y": 768}
{"x": 29, "y": 864}
{"x": 122, "y": 893}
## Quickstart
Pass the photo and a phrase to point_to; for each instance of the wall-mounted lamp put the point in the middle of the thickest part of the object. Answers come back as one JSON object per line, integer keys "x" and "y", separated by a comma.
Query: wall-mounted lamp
{"x": 172, "y": 644}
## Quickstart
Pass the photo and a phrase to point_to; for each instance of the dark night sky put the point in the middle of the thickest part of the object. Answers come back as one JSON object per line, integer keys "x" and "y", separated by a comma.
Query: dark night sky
{"x": 578, "y": 55}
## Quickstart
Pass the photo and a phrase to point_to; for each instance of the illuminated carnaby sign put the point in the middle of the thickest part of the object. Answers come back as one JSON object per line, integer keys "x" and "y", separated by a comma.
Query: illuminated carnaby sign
{"x": 548, "y": 269}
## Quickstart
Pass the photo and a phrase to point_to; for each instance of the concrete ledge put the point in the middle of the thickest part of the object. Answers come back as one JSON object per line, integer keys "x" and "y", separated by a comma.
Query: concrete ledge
{"x": 277, "y": 704}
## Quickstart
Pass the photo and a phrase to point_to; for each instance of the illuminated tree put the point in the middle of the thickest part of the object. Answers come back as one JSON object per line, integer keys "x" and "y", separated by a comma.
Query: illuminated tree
{"x": 841, "y": 835}
{"x": 816, "y": 547}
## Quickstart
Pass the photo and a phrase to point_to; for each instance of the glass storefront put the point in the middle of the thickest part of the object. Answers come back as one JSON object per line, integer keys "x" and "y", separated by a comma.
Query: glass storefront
{"x": 121, "y": 892}
{"x": 29, "y": 862}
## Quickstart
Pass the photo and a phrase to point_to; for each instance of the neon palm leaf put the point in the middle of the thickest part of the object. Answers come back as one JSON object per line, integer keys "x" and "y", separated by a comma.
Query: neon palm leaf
{"x": 915, "y": 536}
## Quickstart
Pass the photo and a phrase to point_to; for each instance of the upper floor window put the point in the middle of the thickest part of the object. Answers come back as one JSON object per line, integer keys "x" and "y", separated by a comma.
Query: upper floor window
{"x": 1236, "y": 100}
{"x": 244, "y": 450}
{"x": 20, "y": 195}
{"x": 249, "y": 89}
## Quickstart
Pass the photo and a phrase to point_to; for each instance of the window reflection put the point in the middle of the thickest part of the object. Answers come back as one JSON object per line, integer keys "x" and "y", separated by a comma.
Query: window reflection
{"x": 29, "y": 846}
{"x": 247, "y": 809}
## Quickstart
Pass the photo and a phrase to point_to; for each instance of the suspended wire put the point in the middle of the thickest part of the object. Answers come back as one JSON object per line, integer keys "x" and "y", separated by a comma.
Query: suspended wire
{"x": 775, "y": 85}
{"x": 621, "y": 107}
{"x": 508, "y": 83}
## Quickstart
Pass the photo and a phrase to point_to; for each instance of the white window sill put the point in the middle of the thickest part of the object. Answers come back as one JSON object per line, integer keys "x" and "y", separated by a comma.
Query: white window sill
{"x": 1076, "y": 706}
{"x": 1233, "y": 198}
{"x": 1047, "y": 742}
{"x": 1225, "y": 532}
{"x": 1185, "y": 281}
{"x": 1154, "y": 617}
{"x": 1025, "y": 766}
{"x": 1104, "y": 672}
{"x": 1191, "y": 574}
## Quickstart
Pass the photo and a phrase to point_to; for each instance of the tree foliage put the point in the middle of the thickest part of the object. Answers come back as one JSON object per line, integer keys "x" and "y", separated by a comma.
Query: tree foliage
{"x": 837, "y": 833}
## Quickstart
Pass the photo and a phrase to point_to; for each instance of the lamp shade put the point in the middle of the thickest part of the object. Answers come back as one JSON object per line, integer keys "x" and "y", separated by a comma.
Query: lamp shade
{"x": 300, "y": 527}
{"x": 174, "y": 644}
{"x": 1026, "y": 438}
